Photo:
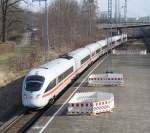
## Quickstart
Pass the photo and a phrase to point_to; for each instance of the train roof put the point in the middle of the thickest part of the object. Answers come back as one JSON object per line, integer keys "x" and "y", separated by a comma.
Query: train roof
{"x": 102, "y": 43}
{"x": 79, "y": 53}
{"x": 52, "y": 69}
{"x": 115, "y": 38}
{"x": 93, "y": 46}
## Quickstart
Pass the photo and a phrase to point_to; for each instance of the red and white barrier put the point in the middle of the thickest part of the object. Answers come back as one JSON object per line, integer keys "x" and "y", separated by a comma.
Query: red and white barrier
{"x": 106, "y": 79}
{"x": 129, "y": 52}
{"x": 91, "y": 102}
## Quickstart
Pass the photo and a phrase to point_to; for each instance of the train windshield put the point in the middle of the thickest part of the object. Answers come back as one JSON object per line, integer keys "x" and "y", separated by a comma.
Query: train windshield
{"x": 34, "y": 83}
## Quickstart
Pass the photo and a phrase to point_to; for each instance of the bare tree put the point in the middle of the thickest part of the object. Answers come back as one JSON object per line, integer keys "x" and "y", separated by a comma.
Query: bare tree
{"x": 8, "y": 8}
{"x": 71, "y": 22}
{"x": 89, "y": 13}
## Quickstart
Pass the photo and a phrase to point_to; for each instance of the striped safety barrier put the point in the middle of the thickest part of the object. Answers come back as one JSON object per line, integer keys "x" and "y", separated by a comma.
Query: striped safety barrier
{"x": 129, "y": 52}
{"x": 91, "y": 102}
{"x": 106, "y": 79}
{"x": 103, "y": 106}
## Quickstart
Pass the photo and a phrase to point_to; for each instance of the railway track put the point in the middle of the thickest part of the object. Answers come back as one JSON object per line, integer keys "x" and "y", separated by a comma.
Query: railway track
{"x": 23, "y": 122}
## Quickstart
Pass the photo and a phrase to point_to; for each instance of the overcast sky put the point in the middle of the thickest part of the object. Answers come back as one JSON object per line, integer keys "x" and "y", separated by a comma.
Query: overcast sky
{"x": 136, "y": 8}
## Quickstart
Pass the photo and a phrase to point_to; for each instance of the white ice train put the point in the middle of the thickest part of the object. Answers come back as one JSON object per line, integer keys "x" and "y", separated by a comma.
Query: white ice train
{"x": 42, "y": 85}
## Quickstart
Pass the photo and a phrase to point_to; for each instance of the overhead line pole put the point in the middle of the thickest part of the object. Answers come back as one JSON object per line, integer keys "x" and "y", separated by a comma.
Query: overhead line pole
{"x": 116, "y": 11}
{"x": 46, "y": 28}
{"x": 125, "y": 11}
{"x": 47, "y": 33}
{"x": 109, "y": 37}
{"x": 119, "y": 13}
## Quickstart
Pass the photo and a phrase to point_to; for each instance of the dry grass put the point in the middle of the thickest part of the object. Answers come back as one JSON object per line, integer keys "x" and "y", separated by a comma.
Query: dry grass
{"x": 7, "y": 47}
{"x": 4, "y": 58}
{"x": 7, "y": 51}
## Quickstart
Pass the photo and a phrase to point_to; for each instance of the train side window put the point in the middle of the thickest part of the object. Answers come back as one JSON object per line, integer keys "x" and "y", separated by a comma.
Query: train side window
{"x": 85, "y": 59}
{"x": 104, "y": 47}
{"x": 113, "y": 42}
{"x": 97, "y": 51}
{"x": 119, "y": 40}
{"x": 51, "y": 85}
{"x": 60, "y": 78}
{"x": 65, "y": 74}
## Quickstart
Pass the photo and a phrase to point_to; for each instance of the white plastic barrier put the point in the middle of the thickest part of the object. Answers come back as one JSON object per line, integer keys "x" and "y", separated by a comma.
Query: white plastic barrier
{"x": 143, "y": 52}
{"x": 129, "y": 52}
{"x": 106, "y": 79}
{"x": 91, "y": 102}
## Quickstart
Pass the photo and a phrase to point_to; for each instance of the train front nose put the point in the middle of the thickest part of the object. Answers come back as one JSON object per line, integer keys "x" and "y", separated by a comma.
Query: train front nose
{"x": 33, "y": 101}
{"x": 31, "y": 92}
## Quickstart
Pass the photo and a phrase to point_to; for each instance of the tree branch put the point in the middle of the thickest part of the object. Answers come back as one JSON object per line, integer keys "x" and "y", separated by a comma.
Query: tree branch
{"x": 13, "y": 3}
{"x": 13, "y": 22}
